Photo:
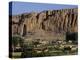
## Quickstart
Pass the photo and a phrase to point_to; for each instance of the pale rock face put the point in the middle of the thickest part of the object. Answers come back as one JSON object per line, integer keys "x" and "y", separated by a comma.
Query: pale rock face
{"x": 55, "y": 21}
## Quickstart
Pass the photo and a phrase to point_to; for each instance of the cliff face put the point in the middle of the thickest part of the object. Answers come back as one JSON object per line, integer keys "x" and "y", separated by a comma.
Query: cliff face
{"x": 54, "y": 21}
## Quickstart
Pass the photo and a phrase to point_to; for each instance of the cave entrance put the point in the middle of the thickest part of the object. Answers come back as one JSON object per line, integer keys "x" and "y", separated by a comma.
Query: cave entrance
{"x": 24, "y": 30}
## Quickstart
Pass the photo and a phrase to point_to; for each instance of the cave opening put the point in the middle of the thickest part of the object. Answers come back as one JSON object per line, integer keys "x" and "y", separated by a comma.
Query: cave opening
{"x": 24, "y": 30}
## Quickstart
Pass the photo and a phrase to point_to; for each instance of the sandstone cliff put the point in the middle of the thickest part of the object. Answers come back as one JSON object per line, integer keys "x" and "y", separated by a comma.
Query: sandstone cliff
{"x": 49, "y": 21}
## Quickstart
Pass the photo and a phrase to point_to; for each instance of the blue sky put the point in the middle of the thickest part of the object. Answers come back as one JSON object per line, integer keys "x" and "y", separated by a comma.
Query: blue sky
{"x": 24, "y": 7}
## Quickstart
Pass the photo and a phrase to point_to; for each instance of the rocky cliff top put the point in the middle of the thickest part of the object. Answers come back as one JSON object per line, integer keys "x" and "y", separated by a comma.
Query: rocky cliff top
{"x": 48, "y": 21}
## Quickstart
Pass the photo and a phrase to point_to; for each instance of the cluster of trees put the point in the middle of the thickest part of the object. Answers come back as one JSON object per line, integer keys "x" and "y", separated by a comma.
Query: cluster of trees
{"x": 72, "y": 36}
{"x": 16, "y": 41}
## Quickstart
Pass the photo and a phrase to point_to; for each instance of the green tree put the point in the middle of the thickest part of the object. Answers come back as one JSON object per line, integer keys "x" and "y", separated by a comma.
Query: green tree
{"x": 15, "y": 41}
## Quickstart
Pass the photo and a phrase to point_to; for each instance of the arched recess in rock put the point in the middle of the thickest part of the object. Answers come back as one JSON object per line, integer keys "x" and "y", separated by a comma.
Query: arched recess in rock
{"x": 24, "y": 30}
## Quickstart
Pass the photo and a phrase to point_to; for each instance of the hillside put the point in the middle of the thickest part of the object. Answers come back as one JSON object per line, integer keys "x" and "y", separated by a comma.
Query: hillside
{"x": 47, "y": 23}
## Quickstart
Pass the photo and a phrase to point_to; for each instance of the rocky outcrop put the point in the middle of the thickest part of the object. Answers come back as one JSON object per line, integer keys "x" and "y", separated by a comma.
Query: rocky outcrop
{"x": 54, "y": 21}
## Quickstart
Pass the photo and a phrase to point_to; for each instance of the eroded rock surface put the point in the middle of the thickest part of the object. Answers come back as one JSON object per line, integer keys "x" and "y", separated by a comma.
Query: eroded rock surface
{"x": 46, "y": 22}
